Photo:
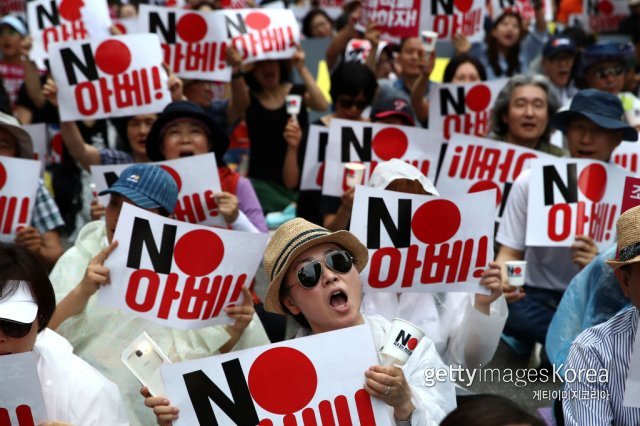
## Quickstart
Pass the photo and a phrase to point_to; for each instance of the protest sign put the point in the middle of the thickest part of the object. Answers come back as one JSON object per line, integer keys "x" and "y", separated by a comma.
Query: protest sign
{"x": 601, "y": 16}
{"x": 419, "y": 243}
{"x": 357, "y": 50}
{"x": 197, "y": 178}
{"x": 113, "y": 77}
{"x": 19, "y": 180}
{"x": 53, "y": 21}
{"x": 21, "y": 400}
{"x": 523, "y": 7}
{"x": 40, "y": 140}
{"x": 569, "y": 197}
{"x": 626, "y": 156}
{"x": 126, "y": 25}
{"x": 177, "y": 274}
{"x": 394, "y": 19}
{"x": 463, "y": 108}
{"x": 474, "y": 164}
{"x": 450, "y": 17}
{"x": 371, "y": 143}
{"x": 631, "y": 193}
{"x": 313, "y": 165}
{"x": 315, "y": 380}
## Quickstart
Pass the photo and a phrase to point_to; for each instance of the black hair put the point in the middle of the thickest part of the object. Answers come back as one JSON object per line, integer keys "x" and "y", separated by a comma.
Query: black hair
{"x": 458, "y": 60}
{"x": 351, "y": 79}
{"x": 18, "y": 264}
{"x": 347, "y": 10}
{"x": 513, "y": 56}
{"x": 285, "y": 75}
{"x": 308, "y": 19}
{"x": 489, "y": 410}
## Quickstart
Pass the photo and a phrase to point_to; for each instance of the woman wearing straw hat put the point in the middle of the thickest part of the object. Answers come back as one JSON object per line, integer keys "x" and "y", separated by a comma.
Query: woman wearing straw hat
{"x": 607, "y": 348}
{"x": 314, "y": 276}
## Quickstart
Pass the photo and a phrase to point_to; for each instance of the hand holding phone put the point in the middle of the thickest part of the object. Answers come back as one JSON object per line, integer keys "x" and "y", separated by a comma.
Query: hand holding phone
{"x": 144, "y": 358}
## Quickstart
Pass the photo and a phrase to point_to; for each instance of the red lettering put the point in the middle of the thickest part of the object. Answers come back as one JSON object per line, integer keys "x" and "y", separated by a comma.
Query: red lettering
{"x": 395, "y": 258}
{"x": 559, "y": 214}
{"x": 150, "y": 293}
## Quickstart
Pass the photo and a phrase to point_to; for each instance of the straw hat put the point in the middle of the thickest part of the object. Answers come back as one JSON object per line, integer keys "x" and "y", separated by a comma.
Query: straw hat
{"x": 293, "y": 238}
{"x": 628, "y": 226}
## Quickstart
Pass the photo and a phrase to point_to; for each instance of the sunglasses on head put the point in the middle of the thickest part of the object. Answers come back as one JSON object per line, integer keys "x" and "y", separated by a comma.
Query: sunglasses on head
{"x": 605, "y": 72}
{"x": 339, "y": 261}
{"x": 347, "y": 102}
{"x": 15, "y": 330}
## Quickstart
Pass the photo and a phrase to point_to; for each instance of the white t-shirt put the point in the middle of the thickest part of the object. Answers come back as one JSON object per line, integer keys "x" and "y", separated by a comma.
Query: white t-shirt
{"x": 547, "y": 267}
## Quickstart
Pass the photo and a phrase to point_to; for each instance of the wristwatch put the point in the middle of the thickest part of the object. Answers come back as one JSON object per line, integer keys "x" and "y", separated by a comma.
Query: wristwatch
{"x": 406, "y": 422}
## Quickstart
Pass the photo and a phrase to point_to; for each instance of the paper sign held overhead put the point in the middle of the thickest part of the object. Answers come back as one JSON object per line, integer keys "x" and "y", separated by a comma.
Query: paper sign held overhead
{"x": 19, "y": 180}
{"x": 315, "y": 380}
{"x": 420, "y": 243}
{"x": 627, "y": 156}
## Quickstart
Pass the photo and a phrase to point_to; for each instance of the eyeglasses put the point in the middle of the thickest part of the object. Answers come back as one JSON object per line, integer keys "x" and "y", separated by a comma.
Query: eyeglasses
{"x": 338, "y": 261}
{"x": 606, "y": 72}
{"x": 15, "y": 330}
{"x": 348, "y": 102}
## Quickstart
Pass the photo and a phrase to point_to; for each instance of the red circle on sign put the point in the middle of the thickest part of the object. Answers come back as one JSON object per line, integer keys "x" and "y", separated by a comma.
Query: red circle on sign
{"x": 192, "y": 27}
{"x": 70, "y": 9}
{"x": 3, "y": 176}
{"x": 436, "y": 221}
{"x": 463, "y": 5}
{"x": 478, "y": 98}
{"x": 605, "y": 7}
{"x": 121, "y": 28}
{"x": 390, "y": 143}
{"x": 257, "y": 20}
{"x": 113, "y": 57}
{"x": 173, "y": 174}
{"x": 198, "y": 252}
{"x": 593, "y": 182}
{"x": 412, "y": 343}
{"x": 485, "y": 185}
{"x": 282, "y": 380}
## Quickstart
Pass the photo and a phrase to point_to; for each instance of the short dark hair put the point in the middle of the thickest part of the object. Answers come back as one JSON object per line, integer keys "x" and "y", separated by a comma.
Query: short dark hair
{"x": 489, "y": 410}
{"x": 308, "y": 19}
{"x": 285, "y": 75}
{"x": 18, "y": 264}
{"x": 351, "y": 79}
{"x": 458, "y": 60}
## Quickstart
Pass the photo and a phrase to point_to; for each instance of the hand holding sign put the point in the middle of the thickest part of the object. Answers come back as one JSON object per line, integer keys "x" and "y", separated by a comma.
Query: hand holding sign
{"x": 241, "y": 314}
{"x": 492, "y": 280}
{"x": 583, "y": 251}
{"x": 388, "y": 384}
{"x": 292, "y": 133}
{"x": 164, "y": 412}
{"x": 30, "y": 238}
{"x": 97, "y": 274}
{"x": 228, "y": 206}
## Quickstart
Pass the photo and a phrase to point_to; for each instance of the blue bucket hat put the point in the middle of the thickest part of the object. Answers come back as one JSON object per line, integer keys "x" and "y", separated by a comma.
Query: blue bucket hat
{"x": 147, "y": 186}
{"x": 603, "y": 108}
{"x": 604, "y": 51}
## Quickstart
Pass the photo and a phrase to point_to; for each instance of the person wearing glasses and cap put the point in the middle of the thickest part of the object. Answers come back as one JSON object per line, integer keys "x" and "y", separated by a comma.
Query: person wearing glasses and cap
{"x": 74, "y": 392}
{"x": 609, "y": 346}
{"x": 314, "y": 277}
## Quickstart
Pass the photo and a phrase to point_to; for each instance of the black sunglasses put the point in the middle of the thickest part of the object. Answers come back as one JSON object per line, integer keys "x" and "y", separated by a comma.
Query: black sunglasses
{"x": 347, "y": 102}
{"x": 605, "y": 72}
{"x": 338, "y": 261}
{"x": 14, "y": 329}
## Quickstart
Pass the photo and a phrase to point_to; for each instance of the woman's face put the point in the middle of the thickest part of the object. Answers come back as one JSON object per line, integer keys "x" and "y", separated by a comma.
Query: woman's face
{"x": 528, "y": 115}
{"x": 321, "y": 26}
{"x": 127, "y": 11}
{"x": 184, "y": 139}
{"x": 349, "y": 107}
{"x": 466, "y": 73}
{"x": 10, "y": 345}
{"x": 334, "y": 303}
{"x": 199, "y": 92}
{"x": 137, "y": 131}
{"x": 507, "y": 32}
{"x": 267, "y": 73}
{"x": 9, "y": 41}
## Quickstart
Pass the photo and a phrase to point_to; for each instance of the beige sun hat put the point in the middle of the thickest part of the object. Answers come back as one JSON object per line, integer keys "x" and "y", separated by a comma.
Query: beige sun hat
{"x": 293, "y": 238}
{"x": 12, "y": 125}
{"x": 628, "y": 228}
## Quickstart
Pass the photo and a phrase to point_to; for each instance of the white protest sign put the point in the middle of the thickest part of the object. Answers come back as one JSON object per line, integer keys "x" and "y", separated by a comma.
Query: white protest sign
{"x": 371, "y": 143}
{"x": 313, "y": 164}
{"x": 524, "y": 8}
{"x": 419, "y": 243}
{"x": 21, "y": 401}
{"x": 463, "y": 108}
{"x": 449, "y": 17}
{"x": 626, "y": 156}
{"x": 114, "y": 77}
{"x": 569, "y": 197}
{"x": 126, "y": 25}
{"x": 177, "y": 274}
{"x": 315, "y": 380}
{"x": 474, "y": 164}
{"x": 197, "y": 179}
{"x": 19, "y": 180}
{"x": 631, "y": 396}
{"x": 40, "y": 140}
{"x": 601, "y": 16}
{"x": 357, "y": 50}
{"x": 52, "y": 21}
{"x": 396, "y": 19}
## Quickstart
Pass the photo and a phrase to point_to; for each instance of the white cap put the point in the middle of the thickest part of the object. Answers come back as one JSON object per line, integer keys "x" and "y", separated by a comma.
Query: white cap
{"x": 19, "y": 306}
{"x": 387, "y": 172}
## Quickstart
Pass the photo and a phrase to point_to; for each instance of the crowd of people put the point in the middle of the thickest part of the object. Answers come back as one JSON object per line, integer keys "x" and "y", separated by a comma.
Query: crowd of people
{"x": 567, "y": 93}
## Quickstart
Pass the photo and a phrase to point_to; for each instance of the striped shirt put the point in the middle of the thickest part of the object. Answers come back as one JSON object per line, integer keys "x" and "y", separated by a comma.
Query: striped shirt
{"x": 606, "y": 346}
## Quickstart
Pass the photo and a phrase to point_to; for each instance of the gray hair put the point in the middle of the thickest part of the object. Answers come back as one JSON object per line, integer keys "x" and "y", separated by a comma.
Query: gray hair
{"x": 501, "y": 106}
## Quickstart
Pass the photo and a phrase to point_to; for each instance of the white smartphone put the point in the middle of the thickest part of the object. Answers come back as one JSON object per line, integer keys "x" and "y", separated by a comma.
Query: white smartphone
{"x": 144, "y": 358}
